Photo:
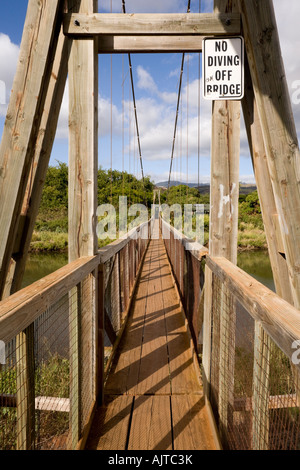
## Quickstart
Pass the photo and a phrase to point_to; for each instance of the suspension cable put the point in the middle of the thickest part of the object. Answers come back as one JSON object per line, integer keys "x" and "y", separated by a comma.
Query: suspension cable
{"x": 178, "y": 103}
{"x": 134, "y": 104}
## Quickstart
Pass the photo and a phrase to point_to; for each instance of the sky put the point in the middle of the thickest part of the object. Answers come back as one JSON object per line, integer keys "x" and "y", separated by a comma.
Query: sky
{"x": 156, "y": 80}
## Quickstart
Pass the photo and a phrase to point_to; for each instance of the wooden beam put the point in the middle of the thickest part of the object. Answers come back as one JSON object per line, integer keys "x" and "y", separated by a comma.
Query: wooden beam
{"x": 23, "y": 118}
{"x": 148, "y": 44}
{"x": 43, "y": 148}
{"x": 280, "y": 320}
{"x": 203, "y": 24}
{"x": 224, "y": 193}
{"x": 277, "y": 124}
{"x": 265, "y": 190}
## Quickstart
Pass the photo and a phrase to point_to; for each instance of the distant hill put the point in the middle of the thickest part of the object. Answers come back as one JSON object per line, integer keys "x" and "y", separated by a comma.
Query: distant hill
{"x": 205, "y": 188}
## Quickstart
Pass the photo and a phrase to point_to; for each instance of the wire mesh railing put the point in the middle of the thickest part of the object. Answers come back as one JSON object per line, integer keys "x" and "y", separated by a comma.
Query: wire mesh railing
{"x": 187, "y": 260}
{"x": 253, "y": 374}
{"x": 251, "y": 348}
{"x": 52, "y": 368}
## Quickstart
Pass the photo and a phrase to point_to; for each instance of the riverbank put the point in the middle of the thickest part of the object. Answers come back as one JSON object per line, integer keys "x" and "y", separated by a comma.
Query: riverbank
{"x": 249, "y": 238}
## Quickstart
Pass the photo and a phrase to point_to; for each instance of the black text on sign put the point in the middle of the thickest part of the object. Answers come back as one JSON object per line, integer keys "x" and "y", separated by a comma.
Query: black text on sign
{"x": 223, "y": 68}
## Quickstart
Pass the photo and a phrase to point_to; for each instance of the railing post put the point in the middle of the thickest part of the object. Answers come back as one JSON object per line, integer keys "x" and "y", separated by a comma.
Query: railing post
{"x": 25, "y": 389}
{"x": 226, "y": 361}
{"x": 100, "y": 337}
{"x": 75, "y": 304}
{"x": 260, "y": 401}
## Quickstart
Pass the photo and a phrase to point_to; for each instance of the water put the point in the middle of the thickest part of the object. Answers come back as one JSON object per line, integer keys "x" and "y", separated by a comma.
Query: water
{"x": 255, "y": 263}
{"x": 40, "y": 265}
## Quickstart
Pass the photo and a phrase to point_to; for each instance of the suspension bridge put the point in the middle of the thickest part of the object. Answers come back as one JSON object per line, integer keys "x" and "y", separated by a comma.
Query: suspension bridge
{"x": 152, "y": 342}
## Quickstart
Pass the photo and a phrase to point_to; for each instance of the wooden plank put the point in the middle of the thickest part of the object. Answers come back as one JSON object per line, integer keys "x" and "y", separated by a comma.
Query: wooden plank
{"x": 22, "y": 308}
{"x": 265, "y": 190}
{"x": 181, "y": 354}
{"x": 22, "y": 124}
{"x": 277, "y": 124}
{"x": 149, "y": 44}
{"x": 52, "y": 404}
{"x": 154, "y": 368}
{"x": 279, "y": 319}
{"x": 151, "y": 24}
{"x": 110, "y": 426}
{"x": 126, "y": 313}
{"x": 191, "y": 427}
{"x": 261, "y": 382}
{"x": 123, "y": 377}
{"x": 25, "y": 389}
{"x": 151, "y": 424}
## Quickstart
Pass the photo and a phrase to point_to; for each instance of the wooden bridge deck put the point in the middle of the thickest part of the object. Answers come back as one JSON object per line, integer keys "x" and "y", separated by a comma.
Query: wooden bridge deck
{"x": 153, "y": 395}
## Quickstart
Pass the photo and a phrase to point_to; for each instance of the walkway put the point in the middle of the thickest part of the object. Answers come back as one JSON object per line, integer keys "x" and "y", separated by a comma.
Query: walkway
{"x": 153, "y": 397}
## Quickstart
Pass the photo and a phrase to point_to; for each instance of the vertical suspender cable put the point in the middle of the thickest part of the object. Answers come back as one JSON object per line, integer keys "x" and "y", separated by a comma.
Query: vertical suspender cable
{"x": 177, "y": 109}
{"x": 134, "y": 103}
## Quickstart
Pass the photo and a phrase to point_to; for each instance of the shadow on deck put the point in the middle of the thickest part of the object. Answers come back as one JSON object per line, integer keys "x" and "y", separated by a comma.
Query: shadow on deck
{"x": 153, "y": 394}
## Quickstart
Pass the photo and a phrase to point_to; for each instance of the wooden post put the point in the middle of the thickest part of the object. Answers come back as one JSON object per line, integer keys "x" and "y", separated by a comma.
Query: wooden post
{"x": 22, "y": 125}
{"x": 277, "y": 124}
{"x": 261, "y": 375}
{"x": 83, "y": 165}
{"x": 75, "y": 305}
{"x": 224, "y": 193}
{"x": 25, "y": 389}
{"x": 100, "y": 336}
{"x": 226, "y": 361}
{"x": 265, "y": 189}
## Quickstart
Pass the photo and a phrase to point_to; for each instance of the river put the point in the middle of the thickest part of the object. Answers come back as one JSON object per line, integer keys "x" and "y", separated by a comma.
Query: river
{"x": 256, "y": 263}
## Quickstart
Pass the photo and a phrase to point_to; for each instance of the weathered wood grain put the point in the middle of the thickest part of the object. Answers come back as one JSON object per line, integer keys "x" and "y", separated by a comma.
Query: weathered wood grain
{"x": 22, "y": 124}
{"x": 152, "y": 24}
{"x": 148, "y": 44}
{"x": 21, "y": 309}
{"x": 279, "y": 318}
{"x": 277, "y": 124}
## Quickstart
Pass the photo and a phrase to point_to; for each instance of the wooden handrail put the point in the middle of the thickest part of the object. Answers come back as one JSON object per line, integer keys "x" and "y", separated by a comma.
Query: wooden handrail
{"x": 279, "y": 319}
{"x": 197, "y": 250}
{"x": 21, "y": 309}
{"x": 108, "y": 251}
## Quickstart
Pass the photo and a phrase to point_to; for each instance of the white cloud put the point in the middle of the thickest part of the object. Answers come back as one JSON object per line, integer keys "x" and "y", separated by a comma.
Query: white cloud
{"x": 9, "y": 54}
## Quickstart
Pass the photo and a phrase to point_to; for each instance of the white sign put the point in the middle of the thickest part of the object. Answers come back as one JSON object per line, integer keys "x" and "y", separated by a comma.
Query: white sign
{"x": 223, "y": 68}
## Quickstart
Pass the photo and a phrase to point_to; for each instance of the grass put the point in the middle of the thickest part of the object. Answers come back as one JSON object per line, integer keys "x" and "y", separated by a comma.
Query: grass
{"x": 48, "y": 242}
{"x": 251, "y": 237}
{"x": 52, "y": 379}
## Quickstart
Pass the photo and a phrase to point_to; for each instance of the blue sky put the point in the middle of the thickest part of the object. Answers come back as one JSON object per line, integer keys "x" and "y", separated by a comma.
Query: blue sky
{"x": 156, "y": 79}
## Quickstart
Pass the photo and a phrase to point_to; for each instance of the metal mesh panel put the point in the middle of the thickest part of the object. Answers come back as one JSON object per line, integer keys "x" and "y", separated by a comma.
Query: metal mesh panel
{"x": 254, "y": 386}
{"x": 47, "y": 385}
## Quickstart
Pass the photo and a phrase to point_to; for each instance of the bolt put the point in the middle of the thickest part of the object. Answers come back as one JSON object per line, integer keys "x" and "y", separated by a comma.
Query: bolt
{"x": 228, "y": 22}
{"x": 76, "y": 22}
